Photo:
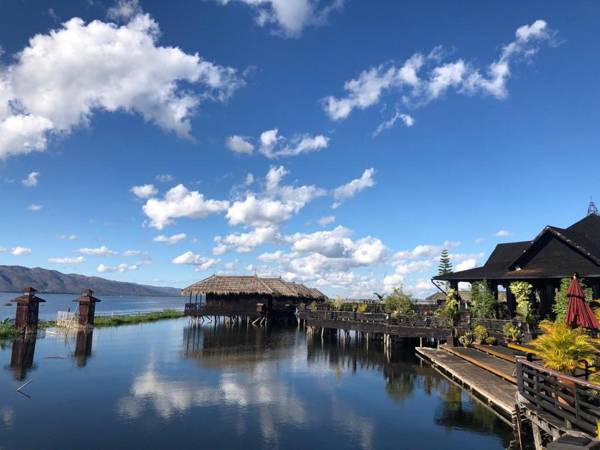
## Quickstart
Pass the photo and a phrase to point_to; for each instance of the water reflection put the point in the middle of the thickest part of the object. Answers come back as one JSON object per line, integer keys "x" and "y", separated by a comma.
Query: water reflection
{"x": 83, "y": 346}
{"x": 21, "y": 359}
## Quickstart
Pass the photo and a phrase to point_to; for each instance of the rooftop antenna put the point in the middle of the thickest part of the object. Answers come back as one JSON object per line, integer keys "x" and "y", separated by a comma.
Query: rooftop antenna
{"x": 592, "y": 209}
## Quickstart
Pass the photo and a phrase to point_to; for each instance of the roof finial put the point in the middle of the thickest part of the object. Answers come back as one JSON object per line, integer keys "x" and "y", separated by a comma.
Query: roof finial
{"x": 592, "y": 210}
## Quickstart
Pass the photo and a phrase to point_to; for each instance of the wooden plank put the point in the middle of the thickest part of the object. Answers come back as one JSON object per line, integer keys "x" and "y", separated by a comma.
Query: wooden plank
{"x": 500, "y": 351}
{"x": 495, "y": 390}
{"x": 498, "y": 367}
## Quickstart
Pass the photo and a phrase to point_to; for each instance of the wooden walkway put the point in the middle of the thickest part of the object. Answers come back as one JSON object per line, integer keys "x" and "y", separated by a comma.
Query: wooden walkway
{"x": 499, "y": 351}
{"x": 497, "y": 392}
{"x": 497, "y": 366}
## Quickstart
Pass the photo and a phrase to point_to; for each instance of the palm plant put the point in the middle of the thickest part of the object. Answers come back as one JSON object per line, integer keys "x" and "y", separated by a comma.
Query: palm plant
{"x": 562, "y": 348}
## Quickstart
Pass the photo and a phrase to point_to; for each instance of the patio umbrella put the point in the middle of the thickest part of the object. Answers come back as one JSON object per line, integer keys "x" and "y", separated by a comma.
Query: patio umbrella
{"x": 579, "y": 313}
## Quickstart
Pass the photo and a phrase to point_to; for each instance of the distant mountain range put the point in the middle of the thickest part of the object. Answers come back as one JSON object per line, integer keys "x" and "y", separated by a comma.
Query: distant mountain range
{"x": 15, "y": 278}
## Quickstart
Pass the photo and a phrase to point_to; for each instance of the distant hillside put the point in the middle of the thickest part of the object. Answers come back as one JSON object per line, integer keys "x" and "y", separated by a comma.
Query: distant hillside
{"x": 15, "y": 278}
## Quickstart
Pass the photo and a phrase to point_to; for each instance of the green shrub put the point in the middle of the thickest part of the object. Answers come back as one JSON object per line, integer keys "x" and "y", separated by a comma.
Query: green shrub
{"x": 466, "y": 339}
{"x": 512, "y": 333}
{"x": 483, "y": 302}
{"x": 491, "y": 340}
{"x": 398, "y": 303}
{"x": 313, "y": 306}
{"x": 8, "y": 330}
{"x": 561, "y": 301}
{"x": 153, "y": 316}
{"x": 522, "y": 292}
{"x": 481, "y": 333}
{"x": 362, "y": 308}
{"x": 335, "y": 304}
{"x": 449, "y": 310}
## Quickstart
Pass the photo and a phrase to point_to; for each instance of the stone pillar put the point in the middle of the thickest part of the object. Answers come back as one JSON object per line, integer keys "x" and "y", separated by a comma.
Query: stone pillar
{"x": 28, "y": 307}
{"x": 87, "y": 308}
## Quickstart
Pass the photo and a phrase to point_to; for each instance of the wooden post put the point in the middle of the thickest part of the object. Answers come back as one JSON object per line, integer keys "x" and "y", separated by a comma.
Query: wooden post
{"x": 28, "y": 307}
{"x": 21, "y": 358}
{"x": 511, "y": 301}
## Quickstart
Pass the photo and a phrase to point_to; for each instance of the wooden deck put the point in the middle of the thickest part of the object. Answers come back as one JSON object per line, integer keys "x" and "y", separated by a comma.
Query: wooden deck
{"x": 499, "y": 367}
{"x": 499, "y": 351}
{"x": 497, "y": 392}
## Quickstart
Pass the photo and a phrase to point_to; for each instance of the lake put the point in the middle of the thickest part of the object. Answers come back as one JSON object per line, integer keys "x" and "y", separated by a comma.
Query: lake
{"x": 109, "y": 304}
{"x": 175, "y": 385}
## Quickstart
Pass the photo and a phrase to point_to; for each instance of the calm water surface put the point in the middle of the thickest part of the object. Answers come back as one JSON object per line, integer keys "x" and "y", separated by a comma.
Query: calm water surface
{"x": 170, "y": 385}
{"x": 109, "y": 304}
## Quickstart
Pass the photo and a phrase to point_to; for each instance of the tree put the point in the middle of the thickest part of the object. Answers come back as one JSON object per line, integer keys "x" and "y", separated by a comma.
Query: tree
{"x": 398, "y": 303}
{"x": 445, "y": 265}
{"x": 449, "y": 309}
{"x": 483, "y": 302}
{"x": 522, "y": 292}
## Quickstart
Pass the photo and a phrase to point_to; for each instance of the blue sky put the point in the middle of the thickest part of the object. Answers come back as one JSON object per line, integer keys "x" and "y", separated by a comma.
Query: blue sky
{"x": 337, "y": 143}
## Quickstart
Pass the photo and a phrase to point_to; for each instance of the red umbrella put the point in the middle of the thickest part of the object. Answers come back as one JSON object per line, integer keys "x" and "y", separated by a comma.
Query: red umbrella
{"x": 579, "y": 313}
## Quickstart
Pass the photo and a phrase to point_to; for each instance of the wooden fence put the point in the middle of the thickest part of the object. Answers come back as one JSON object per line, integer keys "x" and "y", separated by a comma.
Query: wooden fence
{"x": 573, "y": 402}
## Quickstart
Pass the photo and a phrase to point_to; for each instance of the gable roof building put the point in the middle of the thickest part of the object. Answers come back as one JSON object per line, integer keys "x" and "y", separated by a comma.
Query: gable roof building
{"x": 555, "y": 253}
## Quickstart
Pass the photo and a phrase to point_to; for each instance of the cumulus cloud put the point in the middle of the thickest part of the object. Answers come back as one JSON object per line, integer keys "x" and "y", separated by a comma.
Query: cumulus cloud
{"x": 326, "y": 220}
{"x": 290, "y": 17}
{"x": 118, "y": 67}
{"x": 170, "y": 240}
{"x": 272, "y": 145}
{"x": 350, "y": 189}
{"x": 124, "y": 10}
{"x": 68, "y": 260}
{"x": 466, "y": 264}
{"x": 20, "y": 251}
{"x": 406, "y": 119}
{"x": 31, "y": 180}
{"x": 503, "y": 233}
{"x": 179, "y": 202}
{"x": 67, "y": 237}
{"x": 246, "y": 242}
{"x": 34, "y": 207}
{"x": 239, "y": 145}
{"x": 144, "y": 191}
{"x": 275, "y": 205}
{"x": 193, "y": 259}
{"x": 103, "y": 268}
{"x": 164, "y": 178}
{"x": 97, "y": 251}
{"x": 424, "y": 78}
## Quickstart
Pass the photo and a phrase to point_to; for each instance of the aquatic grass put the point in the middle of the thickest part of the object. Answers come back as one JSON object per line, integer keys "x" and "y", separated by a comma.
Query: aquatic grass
{"x": 8, "y": 330}
{"x": 153, "y": 316}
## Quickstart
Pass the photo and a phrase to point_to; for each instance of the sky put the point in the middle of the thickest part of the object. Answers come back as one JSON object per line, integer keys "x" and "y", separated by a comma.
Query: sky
{"x": 338, "y": 143}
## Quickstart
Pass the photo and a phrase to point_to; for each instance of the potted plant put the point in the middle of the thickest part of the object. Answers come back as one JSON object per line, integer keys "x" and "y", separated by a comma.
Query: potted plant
{"x": 466, "y": 339}
{"x": 481, "y": 334}
{"x": 512, "y": 333}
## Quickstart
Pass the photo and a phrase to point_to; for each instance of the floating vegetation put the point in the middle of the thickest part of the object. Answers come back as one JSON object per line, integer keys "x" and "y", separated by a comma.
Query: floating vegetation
{"x": 112, "y": 321}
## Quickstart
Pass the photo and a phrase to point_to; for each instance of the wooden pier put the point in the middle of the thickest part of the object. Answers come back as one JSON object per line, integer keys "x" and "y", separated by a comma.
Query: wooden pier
{"x": 498, "y": 393}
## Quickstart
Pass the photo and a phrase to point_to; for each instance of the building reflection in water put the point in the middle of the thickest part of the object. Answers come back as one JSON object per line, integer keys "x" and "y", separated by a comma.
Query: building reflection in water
{"x": 405, "y": 374}
{"x": 21, "y": 359}
{"x": 83, "y": 346}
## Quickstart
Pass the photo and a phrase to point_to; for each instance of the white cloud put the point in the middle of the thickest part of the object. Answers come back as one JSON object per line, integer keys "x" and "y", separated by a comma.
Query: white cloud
{"x": 326, "y": 220}
{"x": 170, "y": 240}
{"x": 406, "y": 119}
{"x": 67, "y": 237}
{"x": 103, "y": 268}
{"x": 31, "y": 180}
{"x": 67, "y": 260}
{"x": 423, "y": 78}
{"x": 179, "y": 202}
{"x": 144, "y": 191}
{"x": 350, "y": 189}
{"x": 273, "y": 257}
{"x": 273, "y": 206}
{"x": 272, "y": 145}
{"x": 466, "y": 264}
{"x": 290, "y": 17}
{"x": 128, "y": 253}
{"x": 246, "y": 242}
{"x": 34, "y": 207}
{"x": 193, "y": 259}
{"x": 503, "y": 233}
{"x": 98, "y": 251}
{"x": 20, "y": 251}
{"x": 119, "y": 68}
{"x": 239, "y": 144}
{"x": 164, "y": 178}
{"x": 124, "y": 10}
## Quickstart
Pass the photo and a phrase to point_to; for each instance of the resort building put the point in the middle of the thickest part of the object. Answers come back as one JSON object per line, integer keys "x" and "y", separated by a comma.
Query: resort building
{"x": 555, "y": 253}
{"x": 247, "y": 295}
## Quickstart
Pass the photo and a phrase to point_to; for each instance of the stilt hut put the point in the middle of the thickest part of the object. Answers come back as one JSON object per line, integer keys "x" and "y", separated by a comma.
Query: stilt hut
{"x": 249, "y": 296}
{"x": 555, "y": 253}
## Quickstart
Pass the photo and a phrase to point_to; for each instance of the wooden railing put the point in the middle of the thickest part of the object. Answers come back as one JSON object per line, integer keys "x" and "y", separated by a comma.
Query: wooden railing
{"x": 573, "y": 401}
{"x": 412, "y": 320}
{"x": 496, "y": 326}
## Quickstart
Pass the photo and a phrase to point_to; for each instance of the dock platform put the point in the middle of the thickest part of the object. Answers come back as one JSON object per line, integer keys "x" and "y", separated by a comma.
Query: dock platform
{"x": 497, "y": 392}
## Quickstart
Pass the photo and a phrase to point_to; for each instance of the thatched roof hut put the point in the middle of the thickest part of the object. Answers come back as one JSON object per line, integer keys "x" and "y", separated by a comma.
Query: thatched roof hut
{"x": 251, "y": 285}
